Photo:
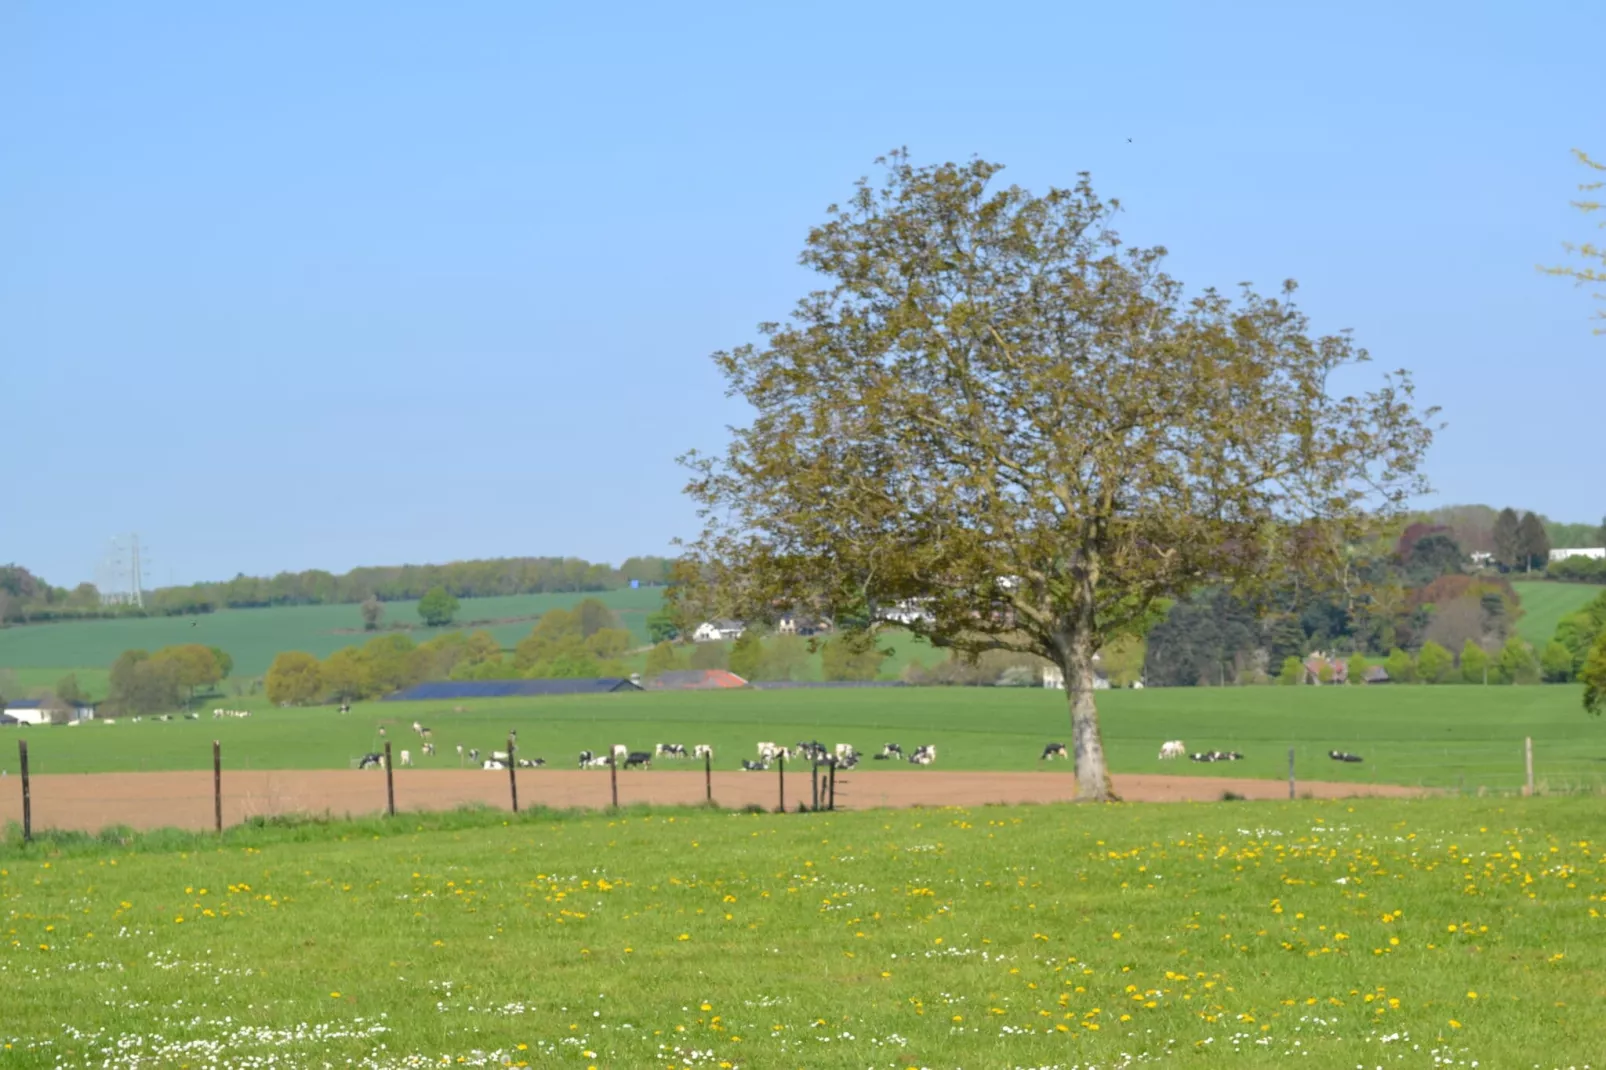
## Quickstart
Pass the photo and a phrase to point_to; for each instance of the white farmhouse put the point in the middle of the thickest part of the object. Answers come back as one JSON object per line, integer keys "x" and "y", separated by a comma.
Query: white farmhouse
{"x": 36, "y": 711}
{"x": 1594, "y": 553}
{"x": 712, "y": 631}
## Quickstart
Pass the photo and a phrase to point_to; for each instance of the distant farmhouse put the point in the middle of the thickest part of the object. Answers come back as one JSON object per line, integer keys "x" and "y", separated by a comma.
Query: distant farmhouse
{"x": 712, "y": 631}
{"x": 794, "y": 624}
{"x": 1594, "y": 553}
{"x": 37, "y": 711}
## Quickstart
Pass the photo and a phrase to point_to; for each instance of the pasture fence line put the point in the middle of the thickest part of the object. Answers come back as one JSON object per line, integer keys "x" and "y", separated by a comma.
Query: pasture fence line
{"x": 179, "y": 798}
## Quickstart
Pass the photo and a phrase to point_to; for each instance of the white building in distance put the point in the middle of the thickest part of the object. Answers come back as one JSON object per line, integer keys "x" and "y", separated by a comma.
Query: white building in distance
{"x": 1594, "y": 553}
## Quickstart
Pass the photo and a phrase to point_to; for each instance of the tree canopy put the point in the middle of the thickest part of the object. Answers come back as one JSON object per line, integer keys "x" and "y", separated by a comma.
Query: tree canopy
{"x": 1587, "y": 273}
{"x": 998, "y": 412}
{"x": 437, "y": 607}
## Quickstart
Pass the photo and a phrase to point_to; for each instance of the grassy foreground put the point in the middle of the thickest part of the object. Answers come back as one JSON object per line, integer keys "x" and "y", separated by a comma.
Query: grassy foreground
{"x": 1456, "y": 737}
{"x": 1435, "y": 932}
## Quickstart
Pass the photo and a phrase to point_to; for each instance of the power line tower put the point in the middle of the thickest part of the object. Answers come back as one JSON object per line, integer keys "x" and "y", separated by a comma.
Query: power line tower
{"x": 121, "y": 575}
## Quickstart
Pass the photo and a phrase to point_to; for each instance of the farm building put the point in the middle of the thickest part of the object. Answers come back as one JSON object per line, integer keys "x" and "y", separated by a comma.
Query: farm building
{"x": 696, "y": 680}
{"x": 37, "y": 711}
{"x": 797, "y": 624}
{"x": 1318, "y": 665}
{"x": 1594, "y": 553}
{"x": 712, "y": 631}
{"x": 445, "y": 689}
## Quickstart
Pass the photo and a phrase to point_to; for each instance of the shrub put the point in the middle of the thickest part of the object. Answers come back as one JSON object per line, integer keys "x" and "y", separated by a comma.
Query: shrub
{"x": 1433, "y": 663}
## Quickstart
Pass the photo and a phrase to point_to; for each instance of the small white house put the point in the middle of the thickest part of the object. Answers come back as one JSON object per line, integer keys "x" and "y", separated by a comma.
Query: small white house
{"x": 712, "y": 631}
{"x": 34, "y": 711}
{"x": 1594, "y": 553}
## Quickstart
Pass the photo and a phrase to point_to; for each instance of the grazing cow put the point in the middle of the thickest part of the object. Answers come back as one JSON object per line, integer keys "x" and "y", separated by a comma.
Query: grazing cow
{"x": 845, "y": 750}
{"x": 1054, "y": 750}
{"x": 489, "y": 764}
{"x": 345, "y": 707}
{"x": 474, "y": 755}
{"x": 371, "y": 761}
{"x": 925, "y": 754}
{"x": 890, "y": 750}
{"x": 425, "y": 732}
{"x": 702, "y": 750}
{"x": 192, "y": 717}
{"x": 585, "y": 758}
{"x": 638, "y": 757}
{"x": 766, "y": 752}
{"x": 1172, "y": 748}
{"x": 381, "y": 731}
{"x": 429, "y": 750}
{"x": 498, "y": 756}
{"x": 459, "y": 752}
{"x": 754, "y": 767}
{"x": 418, "y": 728}
{"x": 406, "y": 757}
{"x": 1217, "y": 756}
{"x": 1344, "y": 756}
{"x": 531, "y": 763}
{"x": 673, "y": 750}
{"x": 620, "y": 752}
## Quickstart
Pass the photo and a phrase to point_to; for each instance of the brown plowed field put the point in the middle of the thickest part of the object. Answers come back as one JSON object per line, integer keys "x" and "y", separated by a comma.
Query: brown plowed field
{"x": 91, "y": 802}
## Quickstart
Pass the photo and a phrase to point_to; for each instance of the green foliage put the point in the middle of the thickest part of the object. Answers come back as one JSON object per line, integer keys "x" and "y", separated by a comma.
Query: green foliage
{"x": 373, "y": 610}
{"x": 662, "y": 626}
{"x": 908, "y": 439}
{"x": 786, "y": 657}
{"x": 1434, "y": 663}
{"x": 68, "y": 691}
{"x": 437, "y": 607}
{"x": 1400, "y": 666}
{"x": 1292, "y": 673}
{"x": 1578, "y": 569}
{"x": 573, "y": 644}
{"x": 1507, "y": 539}
{"x": 709, "y": 656}
{"x": 1357, "y": 668}
{"x": 1517, "y": 662}
{"x": 661, "y": 659}
{"x": 1594, "y": 677}
{"x": 851, "y": 656}
{"x": 1556, "y": 663}
{"x": 1474, "y": 663}
{"x": 1533, "y": 543}
{"x": 143, "y": 682}
{"x": 196, "y": 666}
{"x": 593, "y": 616}
{"x": 295, "y": 678}
{"x": 746, "y": 655}
{"x": 225, "y": 662}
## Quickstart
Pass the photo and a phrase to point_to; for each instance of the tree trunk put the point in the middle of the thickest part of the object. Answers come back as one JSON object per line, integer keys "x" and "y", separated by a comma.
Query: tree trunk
{"x": 1092, "y": 777}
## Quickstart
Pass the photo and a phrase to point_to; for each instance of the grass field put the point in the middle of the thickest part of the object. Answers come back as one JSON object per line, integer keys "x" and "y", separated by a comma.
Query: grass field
{"x": 1458, "y": 737}
{"x": 255, "y": 636}
{"x": 1445, "y": 933}
{"x": 1545, "y": 603}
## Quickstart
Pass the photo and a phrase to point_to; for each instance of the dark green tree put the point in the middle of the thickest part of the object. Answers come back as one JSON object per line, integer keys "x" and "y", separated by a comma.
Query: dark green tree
{"x": 1533, "y": 543}
{"x": 1507, "y": 541}
{"x": 747, "y": 655}
{"x": 661, "y": 625}
{"x": 437, "y": 607}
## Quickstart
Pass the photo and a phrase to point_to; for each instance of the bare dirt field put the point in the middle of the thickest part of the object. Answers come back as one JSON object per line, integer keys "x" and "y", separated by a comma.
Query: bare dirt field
{"x": 91, "y": 802}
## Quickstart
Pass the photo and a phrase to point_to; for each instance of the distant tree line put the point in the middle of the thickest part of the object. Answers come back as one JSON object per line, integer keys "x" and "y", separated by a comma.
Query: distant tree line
{"x": 144, "y": 682}
{"x": 586, "y": 641}
{"x": 26, "y": 599}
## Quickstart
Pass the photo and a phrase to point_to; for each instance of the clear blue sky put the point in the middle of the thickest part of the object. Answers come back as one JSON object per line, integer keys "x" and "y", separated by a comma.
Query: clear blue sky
{"x": 301, "y": 285}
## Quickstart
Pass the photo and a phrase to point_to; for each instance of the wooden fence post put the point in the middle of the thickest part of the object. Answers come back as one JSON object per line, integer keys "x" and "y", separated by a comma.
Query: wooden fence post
{"x": 512, "y": 774}
{"x": 708, "y": 776}
{"x": 390, "y": 783}
{"x": 832, "y": 805}
{"x": 814, "y": 780}
{"x": 27, "y": 793}
{"x": 1291, "y": 793}
{"x": 781, "y": 764}
{"x": 613, "y": 778}
{"x": 1528, "y": 758}
{"x": 217, "y": 785}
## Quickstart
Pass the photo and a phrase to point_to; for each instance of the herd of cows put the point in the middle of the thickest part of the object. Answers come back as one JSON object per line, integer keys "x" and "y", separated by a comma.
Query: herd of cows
{"x": 843, "y": 755}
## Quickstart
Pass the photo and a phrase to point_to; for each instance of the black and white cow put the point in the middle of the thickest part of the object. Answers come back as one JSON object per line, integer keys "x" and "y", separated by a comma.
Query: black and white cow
{"x": 1344, "y": 756}
{"x": 1054, "y": 750}
{"x": 925, "y": 754}
{"x": 638, "y": 757}
{"x": 586, "y": 758}
{"x": 702, "y": 750}
{"x": 1217, "y": 756}
{"x": 371, "y": 761}
{"x": 670, "y": 750}
{"x": 531, "y": 763}
{"x": 754, "y": 767}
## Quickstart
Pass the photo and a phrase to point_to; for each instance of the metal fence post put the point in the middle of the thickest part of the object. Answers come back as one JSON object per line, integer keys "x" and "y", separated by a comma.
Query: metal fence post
{"x": 390, "y": 783}
{"x": 217, "y": 785}
{"x": 27, "y": 793}
{"x": 512, "y": 774}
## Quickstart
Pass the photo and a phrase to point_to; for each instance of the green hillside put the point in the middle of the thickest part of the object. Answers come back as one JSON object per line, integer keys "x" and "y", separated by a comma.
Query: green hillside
{"x": 254, "y": 636}
{"x": 1545, "y": 602}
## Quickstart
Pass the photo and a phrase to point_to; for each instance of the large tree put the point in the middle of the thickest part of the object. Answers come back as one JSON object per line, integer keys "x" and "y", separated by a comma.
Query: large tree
{"x": 1507, "y": 538}
{"x": 997, "y": 415}
{"x": 1533, "y": 543}
{"x": 1587, "y": 273}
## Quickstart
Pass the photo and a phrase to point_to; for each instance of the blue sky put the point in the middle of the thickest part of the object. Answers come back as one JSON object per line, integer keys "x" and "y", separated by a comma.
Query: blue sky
{"x": 306, "y": 285}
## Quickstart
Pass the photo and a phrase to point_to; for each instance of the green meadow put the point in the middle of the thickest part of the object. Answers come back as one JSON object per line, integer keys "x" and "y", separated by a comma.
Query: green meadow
{"x": 1454, "y": 737}
{"x": 1545, "y": 603}
{"x": 1441, "y": 932}
{"x": 254, "y": 636}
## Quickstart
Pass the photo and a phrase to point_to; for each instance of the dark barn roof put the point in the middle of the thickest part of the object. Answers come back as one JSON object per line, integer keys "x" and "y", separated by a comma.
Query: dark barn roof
{"x": 442, "y": 689}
